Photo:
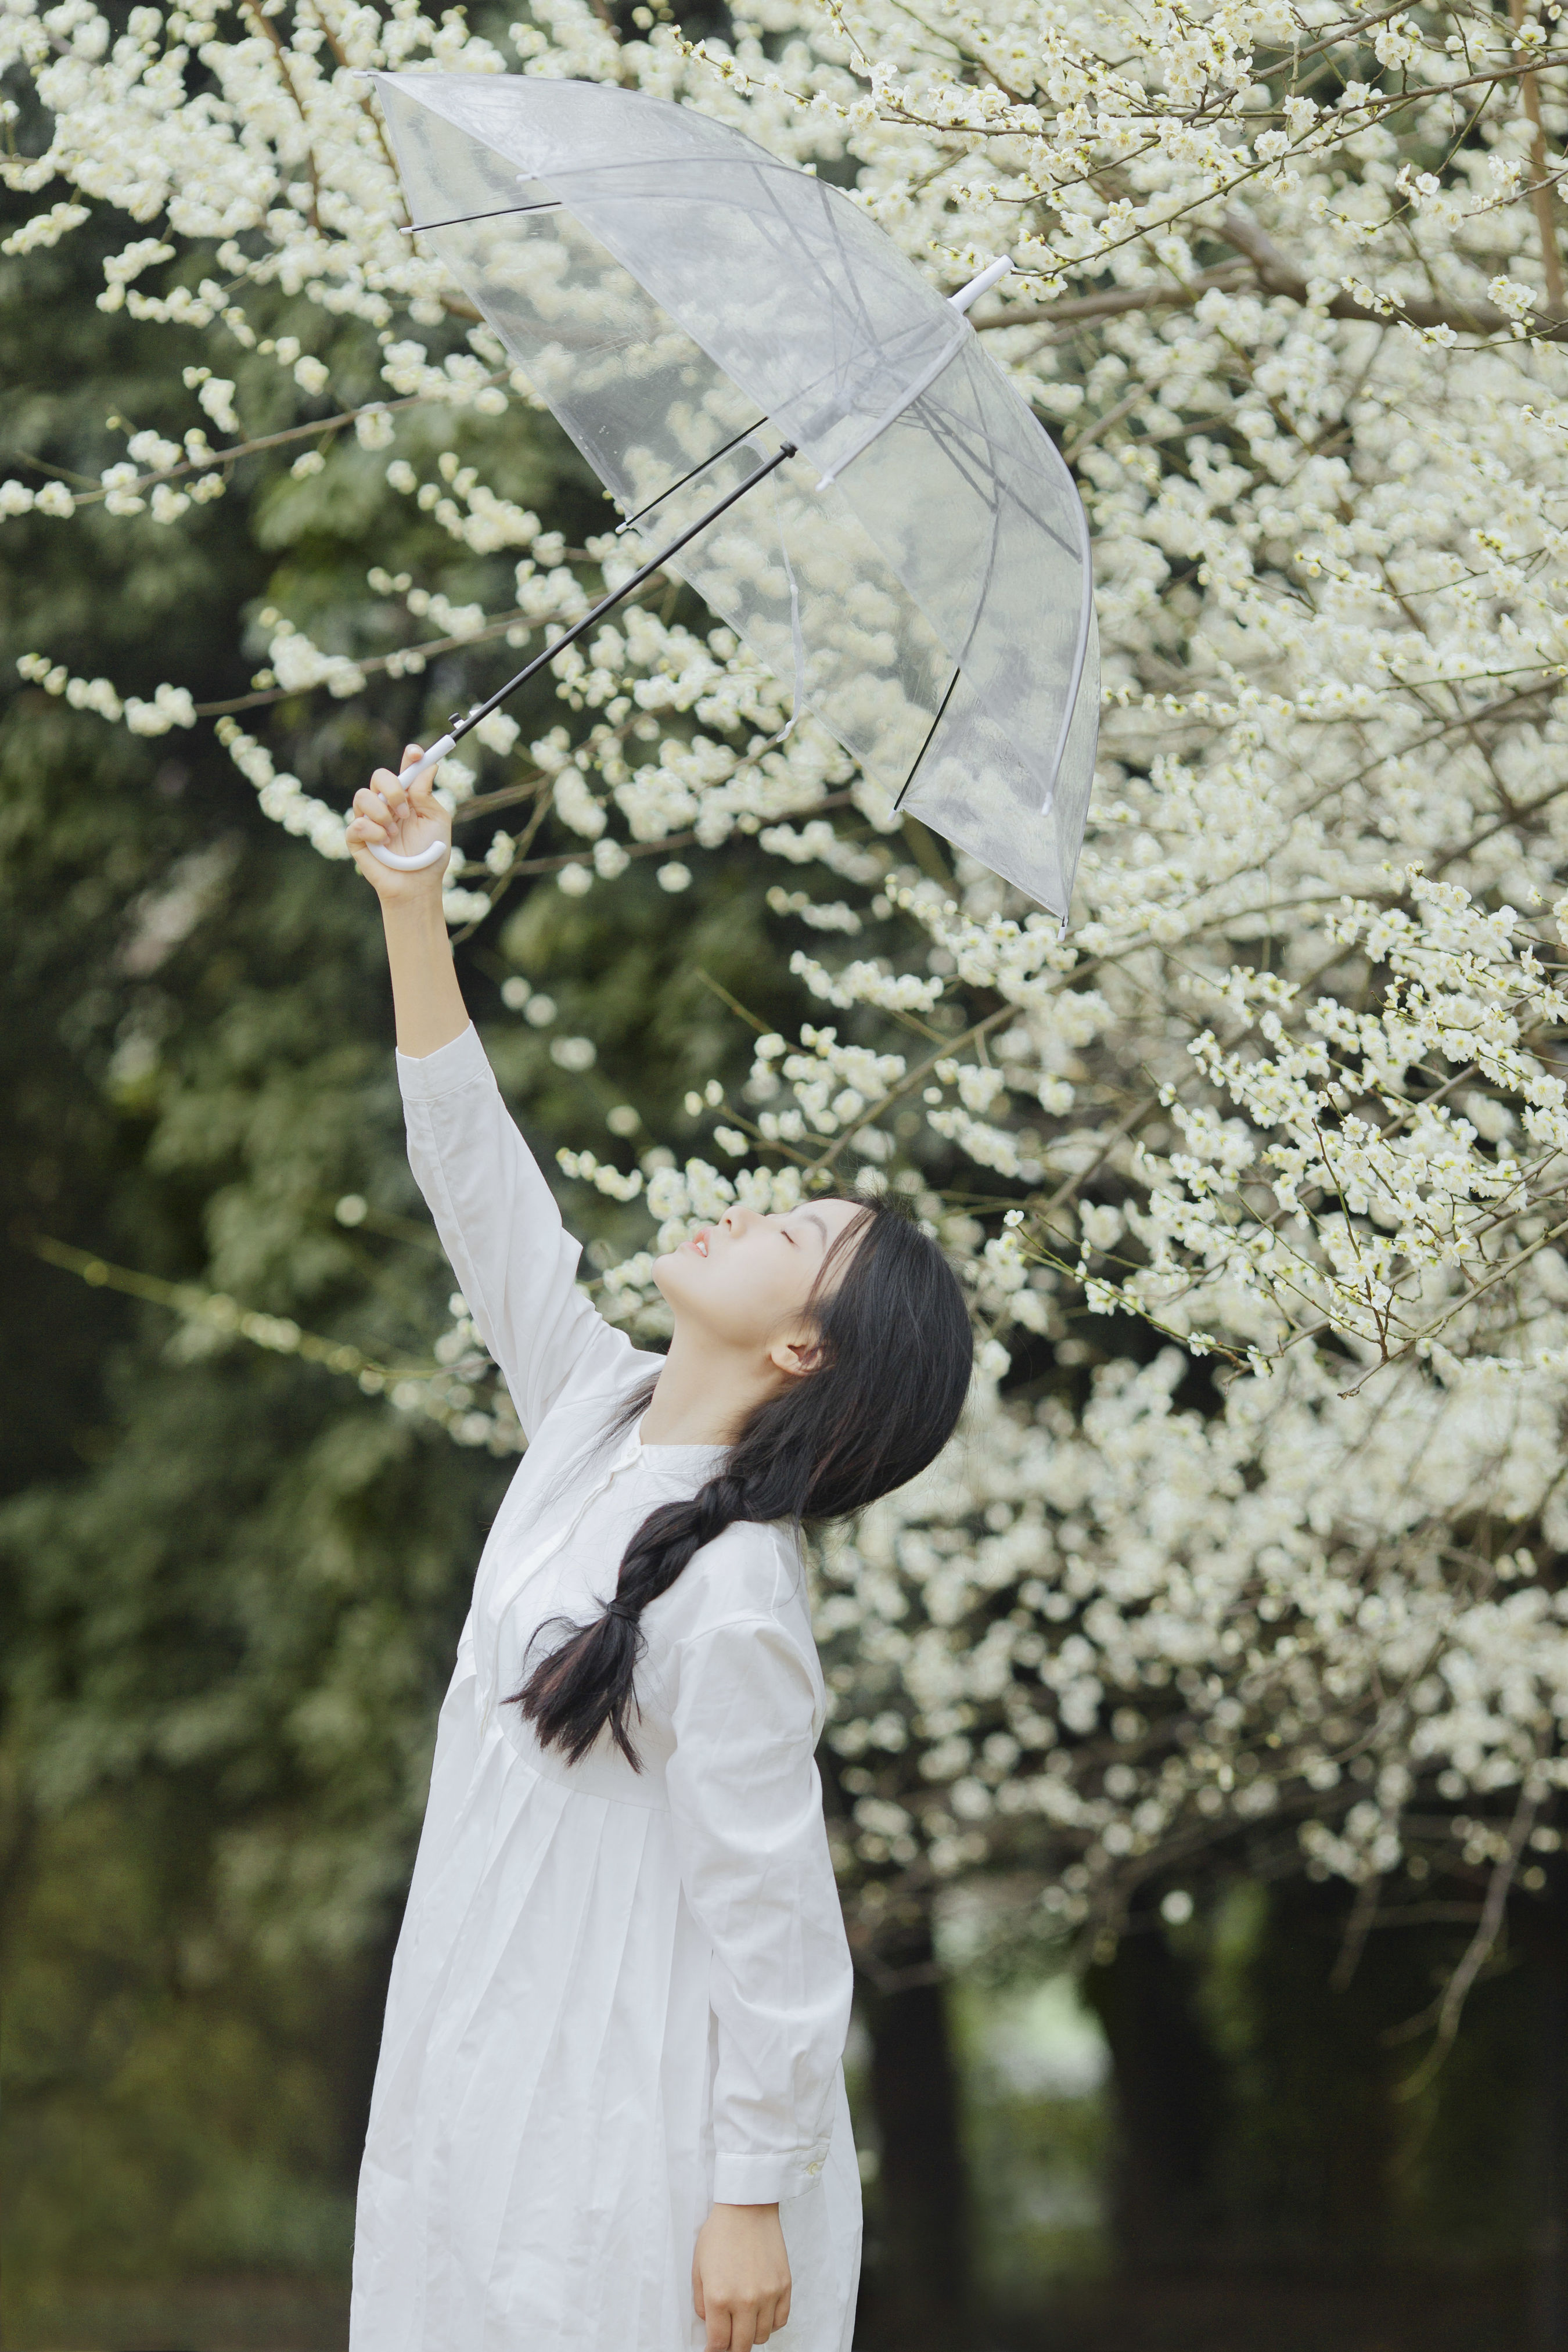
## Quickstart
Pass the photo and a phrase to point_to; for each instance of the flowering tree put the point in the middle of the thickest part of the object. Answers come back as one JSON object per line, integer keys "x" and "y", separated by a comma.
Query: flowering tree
{"x": 1286, "y": 287}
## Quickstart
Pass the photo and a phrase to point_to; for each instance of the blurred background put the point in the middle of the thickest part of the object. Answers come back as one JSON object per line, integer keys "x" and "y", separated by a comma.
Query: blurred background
{"x": 233, "y": 1575}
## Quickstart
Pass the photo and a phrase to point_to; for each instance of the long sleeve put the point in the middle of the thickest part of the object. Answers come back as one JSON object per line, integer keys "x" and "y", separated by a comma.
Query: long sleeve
{"x": 500, "y": 1228}
{"x": 746, "y": 1803}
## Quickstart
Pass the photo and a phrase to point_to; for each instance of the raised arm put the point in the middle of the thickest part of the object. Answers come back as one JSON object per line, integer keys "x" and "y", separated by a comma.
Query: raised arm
{"x": 497, "y": 1216}
{"x": 425, "y": 997}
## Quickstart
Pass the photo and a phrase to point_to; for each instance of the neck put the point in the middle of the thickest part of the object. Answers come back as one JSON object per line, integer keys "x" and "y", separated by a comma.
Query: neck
{"x": 705, "y": 1394}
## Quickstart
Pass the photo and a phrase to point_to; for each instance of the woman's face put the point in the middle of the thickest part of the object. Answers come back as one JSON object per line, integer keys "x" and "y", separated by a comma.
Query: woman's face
{"x": 745, "y": 1283}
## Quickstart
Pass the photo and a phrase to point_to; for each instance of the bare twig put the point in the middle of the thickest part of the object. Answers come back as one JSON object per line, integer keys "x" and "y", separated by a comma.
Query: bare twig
{"x": 220, "y": 1313}
{"x": 752, "y": 1019}
{"x": 1504, "y": 1273}
{"x": 1482, "y": 1944}
{"x": 1358, "y": 1927}
{"x": 1177, "y": 295}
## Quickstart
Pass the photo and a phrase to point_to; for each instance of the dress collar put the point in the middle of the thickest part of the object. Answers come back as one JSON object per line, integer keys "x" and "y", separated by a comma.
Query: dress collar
{"x": 692, "y": 1465}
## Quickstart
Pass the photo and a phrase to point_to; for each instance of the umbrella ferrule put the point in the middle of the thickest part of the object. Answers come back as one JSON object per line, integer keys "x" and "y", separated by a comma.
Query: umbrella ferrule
{"x": 967, "y": 296}
{"x": 992, "y": 274}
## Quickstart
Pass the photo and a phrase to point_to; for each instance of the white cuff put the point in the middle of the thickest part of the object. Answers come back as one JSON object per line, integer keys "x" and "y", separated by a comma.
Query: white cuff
{"x": 423, "y": 1077}
{"x": 767, "y": 2179}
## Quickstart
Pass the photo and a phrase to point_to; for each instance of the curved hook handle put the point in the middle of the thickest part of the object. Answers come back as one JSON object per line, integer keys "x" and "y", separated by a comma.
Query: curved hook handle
{"x": 409, "y": 865}
{"x": 408, "y": 779}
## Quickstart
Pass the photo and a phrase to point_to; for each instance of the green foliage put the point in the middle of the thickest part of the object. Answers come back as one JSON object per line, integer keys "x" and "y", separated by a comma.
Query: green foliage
{"x": 170, "y": 2094}
{"x": 1035, "y": 2137}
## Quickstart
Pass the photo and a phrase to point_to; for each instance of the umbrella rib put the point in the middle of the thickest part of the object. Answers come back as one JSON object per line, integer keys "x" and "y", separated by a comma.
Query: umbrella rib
{"x": 501, "y": 211}
{"x": 701, "y": 466}
{"x": 1080, "y": 651}
{"x": 461, "y": 727}
{"x": 951, "y": 434}
{"x": 931, "y": 730}
{"x": 891, "y": 413}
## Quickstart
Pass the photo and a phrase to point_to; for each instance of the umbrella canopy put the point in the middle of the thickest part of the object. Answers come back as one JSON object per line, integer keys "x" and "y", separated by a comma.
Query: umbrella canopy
{"x": 689, "y": 306}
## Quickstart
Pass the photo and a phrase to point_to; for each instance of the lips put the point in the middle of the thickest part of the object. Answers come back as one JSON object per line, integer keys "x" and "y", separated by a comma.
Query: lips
{"x": 699, "y": 1243}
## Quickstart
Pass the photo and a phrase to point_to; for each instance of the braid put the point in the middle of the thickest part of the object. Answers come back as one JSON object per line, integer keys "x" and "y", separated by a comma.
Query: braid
{"x": 596, "y": 1662}
{"x": 895, "y": 1349}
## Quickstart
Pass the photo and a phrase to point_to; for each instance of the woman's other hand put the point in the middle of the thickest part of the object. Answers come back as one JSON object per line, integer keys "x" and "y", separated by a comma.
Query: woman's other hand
{"x": 388, "y": 817}
{"x": 740, "y": 2276}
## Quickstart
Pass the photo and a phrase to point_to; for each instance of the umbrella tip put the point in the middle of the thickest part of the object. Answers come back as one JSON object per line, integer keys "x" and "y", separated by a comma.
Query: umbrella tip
{"x": 991, "y": 275}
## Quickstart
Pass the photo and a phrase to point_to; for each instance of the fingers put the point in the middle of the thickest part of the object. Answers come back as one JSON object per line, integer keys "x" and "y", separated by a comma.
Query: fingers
{"x": 386, "y": 788}
{"x": 421, "y": 791}
{"x": 391, "y": 815}
{"x": 753, "y": 2323}
{"x": 372, "y": 819}
{"x": 740, "y": 2326}
{"x": 739, "y": 2278}
{"x": 390, "y": 788}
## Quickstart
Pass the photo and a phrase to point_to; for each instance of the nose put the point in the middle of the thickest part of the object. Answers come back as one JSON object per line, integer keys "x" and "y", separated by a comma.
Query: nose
{"x": 739, "y": 1220}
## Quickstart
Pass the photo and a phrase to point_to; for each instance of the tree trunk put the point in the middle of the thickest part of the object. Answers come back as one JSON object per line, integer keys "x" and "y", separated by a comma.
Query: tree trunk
{"x": 918, "y": 2277}
{"x": 1546, "y": 1936}
{"x": 1548, "y": 2314}
{"x": 1168, "y": 2091}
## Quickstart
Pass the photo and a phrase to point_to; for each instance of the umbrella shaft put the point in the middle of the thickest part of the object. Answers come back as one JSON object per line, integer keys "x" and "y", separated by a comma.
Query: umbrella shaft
{"x": 461, "y": 727}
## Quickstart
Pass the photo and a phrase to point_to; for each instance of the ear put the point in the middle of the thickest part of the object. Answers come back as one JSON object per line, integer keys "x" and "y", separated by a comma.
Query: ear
{"x": 795, "y": 1356}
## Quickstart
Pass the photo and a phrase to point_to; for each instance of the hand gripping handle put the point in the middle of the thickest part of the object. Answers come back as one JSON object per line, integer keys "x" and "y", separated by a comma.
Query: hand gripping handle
{"x": 408, "y": 779}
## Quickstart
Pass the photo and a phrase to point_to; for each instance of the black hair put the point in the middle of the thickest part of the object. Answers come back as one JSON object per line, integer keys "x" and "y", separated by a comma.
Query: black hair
{"x": 894, "y": 1354}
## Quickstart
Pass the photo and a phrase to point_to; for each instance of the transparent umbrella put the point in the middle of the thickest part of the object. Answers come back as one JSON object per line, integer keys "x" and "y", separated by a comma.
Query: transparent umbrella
{"x": 764, "y": 382}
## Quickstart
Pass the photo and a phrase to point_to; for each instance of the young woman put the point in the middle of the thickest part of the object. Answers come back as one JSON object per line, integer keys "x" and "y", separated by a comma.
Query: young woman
{"x": 609, "y": 2112}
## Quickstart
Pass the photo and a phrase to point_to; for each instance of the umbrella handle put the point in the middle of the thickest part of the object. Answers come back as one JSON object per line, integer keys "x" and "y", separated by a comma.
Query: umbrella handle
{"x": 408, "y": 779}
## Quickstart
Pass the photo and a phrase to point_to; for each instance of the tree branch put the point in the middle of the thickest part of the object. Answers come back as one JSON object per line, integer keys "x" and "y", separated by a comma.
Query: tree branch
{"x": 212, "y": 460}
{"x": 1541, "y": 194}
{"x": 1274, "y": 274}
{"x": 1450, "y": 2007}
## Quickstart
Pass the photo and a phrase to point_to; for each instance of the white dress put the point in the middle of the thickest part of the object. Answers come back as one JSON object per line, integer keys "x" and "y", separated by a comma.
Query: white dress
{"x": 617, "y": 1997}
